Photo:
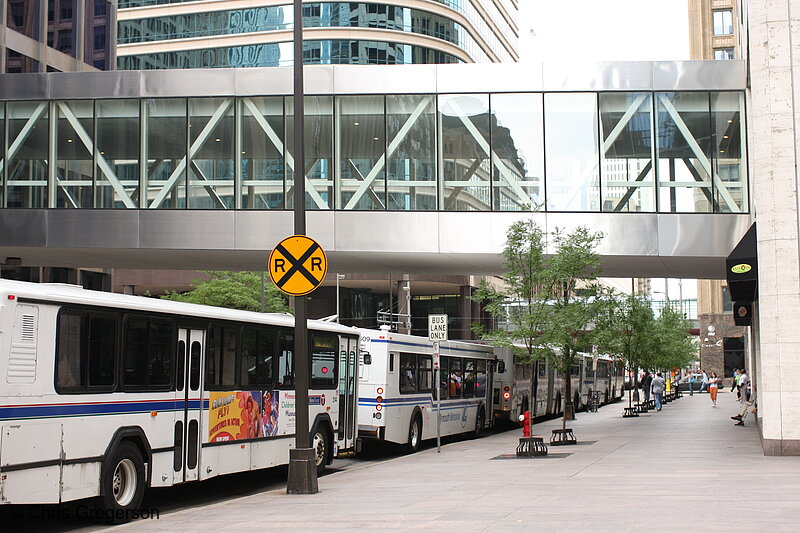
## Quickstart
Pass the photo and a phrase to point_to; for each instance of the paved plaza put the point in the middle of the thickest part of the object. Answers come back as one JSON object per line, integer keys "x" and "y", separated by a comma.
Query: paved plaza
{"x": 684, "y": 468}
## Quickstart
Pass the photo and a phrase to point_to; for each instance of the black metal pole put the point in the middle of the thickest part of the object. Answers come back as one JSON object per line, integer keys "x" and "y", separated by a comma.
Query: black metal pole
{"x": 302, "y": 470}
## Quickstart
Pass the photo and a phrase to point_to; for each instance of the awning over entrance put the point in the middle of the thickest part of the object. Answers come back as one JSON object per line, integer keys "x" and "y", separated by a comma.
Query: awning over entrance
{"x": 741, "y": 269}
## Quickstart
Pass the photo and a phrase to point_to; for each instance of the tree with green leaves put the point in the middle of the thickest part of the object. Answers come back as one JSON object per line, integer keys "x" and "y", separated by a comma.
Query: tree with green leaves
{"x": 548, "y": 301}
{"x": 234, "y": 290}
{"x": 673, "y": 344}
{"x": 571, "y": 288}
{"x": 518, "y": 302}
{"x": 629, "y": 332}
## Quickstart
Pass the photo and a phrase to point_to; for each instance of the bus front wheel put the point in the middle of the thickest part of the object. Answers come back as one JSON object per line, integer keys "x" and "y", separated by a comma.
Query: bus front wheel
{"x": 321, "y": 445}
{"x": 414, "y": 435}
{"x": 122, "y": 482}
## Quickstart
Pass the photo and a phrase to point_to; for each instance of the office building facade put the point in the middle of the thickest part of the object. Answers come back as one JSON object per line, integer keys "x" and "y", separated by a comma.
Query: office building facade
{"x": 157, "y": 34}
{"x": 57, "y": 35}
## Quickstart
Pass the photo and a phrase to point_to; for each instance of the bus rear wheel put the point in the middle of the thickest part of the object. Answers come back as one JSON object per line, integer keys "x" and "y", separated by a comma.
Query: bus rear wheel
{"x": 414, "y": 435}
{"x": 321, "y": 445}
{"x": 122, "y": 482}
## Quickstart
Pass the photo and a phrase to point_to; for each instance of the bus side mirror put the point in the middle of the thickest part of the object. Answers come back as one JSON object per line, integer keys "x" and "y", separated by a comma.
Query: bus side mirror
{"x": 501, "y": 367}
{"x": 367, "y": 357}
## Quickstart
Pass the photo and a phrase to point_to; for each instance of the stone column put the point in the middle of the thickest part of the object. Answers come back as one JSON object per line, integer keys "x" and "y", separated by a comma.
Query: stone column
{"x": 774, "y": 28}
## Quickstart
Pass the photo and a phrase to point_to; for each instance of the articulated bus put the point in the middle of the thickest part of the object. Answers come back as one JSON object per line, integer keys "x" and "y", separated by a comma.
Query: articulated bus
{"x": 105, "y": 394}
{"x": 397, "y": 395}
{"x": 512, "y": 385}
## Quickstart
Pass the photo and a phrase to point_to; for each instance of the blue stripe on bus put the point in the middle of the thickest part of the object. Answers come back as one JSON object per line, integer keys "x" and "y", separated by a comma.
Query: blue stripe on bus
{"x": 113, "y": 408}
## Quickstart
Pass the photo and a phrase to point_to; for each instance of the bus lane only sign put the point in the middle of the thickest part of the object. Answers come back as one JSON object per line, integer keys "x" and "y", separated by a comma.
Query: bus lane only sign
{"x": 437, "y": 328}
{"x": 297, "y": 265}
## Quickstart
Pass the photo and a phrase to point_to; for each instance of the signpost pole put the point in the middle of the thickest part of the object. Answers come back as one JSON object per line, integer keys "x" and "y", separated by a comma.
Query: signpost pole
{"x": 437, "y": 332}
{"x": 302, "y": 470}
{"x": 436, "y": 357}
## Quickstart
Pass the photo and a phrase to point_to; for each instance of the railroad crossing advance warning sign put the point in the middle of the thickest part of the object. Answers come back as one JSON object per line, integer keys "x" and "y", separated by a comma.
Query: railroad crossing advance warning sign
{"x": 297, "y": 265}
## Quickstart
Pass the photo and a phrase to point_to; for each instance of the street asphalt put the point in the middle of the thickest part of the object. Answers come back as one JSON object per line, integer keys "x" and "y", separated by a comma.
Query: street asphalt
{"x": 686, "y": 468}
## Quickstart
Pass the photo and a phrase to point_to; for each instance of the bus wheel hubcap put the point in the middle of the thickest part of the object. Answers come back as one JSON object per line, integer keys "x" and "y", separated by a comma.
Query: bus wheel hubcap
{"x": 123, "y": 484}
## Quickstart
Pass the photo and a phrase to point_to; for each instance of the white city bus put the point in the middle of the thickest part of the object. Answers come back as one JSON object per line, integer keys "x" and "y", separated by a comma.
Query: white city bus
{"x": 104, "y": 394}
{"x": 397, "y": 398}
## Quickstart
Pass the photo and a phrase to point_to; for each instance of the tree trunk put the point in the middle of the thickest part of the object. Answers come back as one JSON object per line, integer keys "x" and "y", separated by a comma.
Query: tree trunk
{"x": 569, "y": 407}
{"x": 534, "y": 386}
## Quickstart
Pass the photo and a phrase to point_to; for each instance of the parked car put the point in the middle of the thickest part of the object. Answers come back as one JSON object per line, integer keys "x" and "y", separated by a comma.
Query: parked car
{"x": 685, "y": 383}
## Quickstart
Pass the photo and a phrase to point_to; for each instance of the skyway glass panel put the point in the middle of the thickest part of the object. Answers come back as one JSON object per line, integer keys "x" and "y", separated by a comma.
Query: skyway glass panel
{"x": 571, "y": 152}
{"x": 513, "y": 152}
{"x": 27, "y": 154}
{"x": 117, "y": 153}
{"x": 683, "y": 125}
{"x": 517, "y": 152}
{"x": 262, "y": 151}
{"x": 360, "y": 152}
{"x": 729, "y": 163}
{"x": 411, "y": 152}
{"x": 318, "y": 165}
{"x": 164, "y": 122}
{"x": 464, "y": 147}
{"x": 74, "y": 149}
{"x": 211, "y": 166}
{"x": 627, "y": 173}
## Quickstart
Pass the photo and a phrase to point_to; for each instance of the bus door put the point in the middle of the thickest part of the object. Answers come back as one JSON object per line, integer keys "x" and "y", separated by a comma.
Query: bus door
{"x": 348, "y": 383}
{"x": 189, "y": 400}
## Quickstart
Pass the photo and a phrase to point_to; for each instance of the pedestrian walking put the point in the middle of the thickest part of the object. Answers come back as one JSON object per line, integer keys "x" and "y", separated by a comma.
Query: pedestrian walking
{"x": 658, "y": 389}
{"x": 704, "y": 384}
{"x": 647, "y": 380}
{"x": 744, "y": 383}
{"x": 691, "y": 385}
{"x": 713, "y": 386}
{"x": 735, "y": 379}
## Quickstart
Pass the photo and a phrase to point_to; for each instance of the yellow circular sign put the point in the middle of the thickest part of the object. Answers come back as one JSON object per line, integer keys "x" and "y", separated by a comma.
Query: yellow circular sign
{"x": 297, "y": 265}
{"x": 741, "y": 268}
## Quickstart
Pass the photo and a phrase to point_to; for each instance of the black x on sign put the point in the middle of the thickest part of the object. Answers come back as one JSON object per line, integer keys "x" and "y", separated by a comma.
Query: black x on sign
{"x": 297, "y": 265}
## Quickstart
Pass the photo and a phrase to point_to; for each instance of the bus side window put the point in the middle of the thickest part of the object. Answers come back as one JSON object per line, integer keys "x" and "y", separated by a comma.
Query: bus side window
{"x": 469, "y": 379}
{"x": 258, "y": 345}
{"x": 221, "y": 360}
{"x": 286, "y": 360}
{"x": 480, "y": 379}
{"x": 456, "y": 378}
{"x": 391, "y": 362}
{"x": 444, "y": 373}
{"x": 408, "y": 373}
{"x": 425, "y": 373}
{"x": 324, "y": 350}
{"x": 86, "y": 352}
{"x": 149, "y": 355}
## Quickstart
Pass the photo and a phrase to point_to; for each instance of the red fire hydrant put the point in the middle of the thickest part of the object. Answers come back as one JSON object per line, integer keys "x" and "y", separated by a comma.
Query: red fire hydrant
{"x": 525, "y": 420}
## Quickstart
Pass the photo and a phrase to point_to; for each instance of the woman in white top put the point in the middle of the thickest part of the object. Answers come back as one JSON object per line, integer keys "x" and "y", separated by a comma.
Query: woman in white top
{"x": 713, "y": 387}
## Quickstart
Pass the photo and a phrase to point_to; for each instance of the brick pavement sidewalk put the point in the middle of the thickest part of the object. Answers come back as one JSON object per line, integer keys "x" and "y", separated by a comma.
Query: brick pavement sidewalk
{"x": 687, "y": 466}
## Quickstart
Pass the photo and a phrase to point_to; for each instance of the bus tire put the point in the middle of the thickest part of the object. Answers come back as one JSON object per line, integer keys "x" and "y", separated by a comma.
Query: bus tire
{"x": 321, "y": 444}
{"x": 606, "y": 401}
{"x": 122, "y": 482}
{"x": 480, "y": 422}
{"x": 414, "y": 434}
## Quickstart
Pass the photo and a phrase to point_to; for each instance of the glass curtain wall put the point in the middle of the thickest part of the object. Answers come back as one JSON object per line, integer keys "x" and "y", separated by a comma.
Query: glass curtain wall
{"x": 318, "y": 130}
{"x": 164, "y": 122}
{"x": 74, "y": 150}
{"x": 464, "y": 148}
{"x": 684, "y": 153}
{"x": 262, "y": 149}
{"x": 729, "y": 162}
{"x": 517, "y": 133}
{"x": 360, "y": 152}
{"x": 211, "y": 172}
{"x": 27, "y": 154}
{"x": 571, "y": 152}
{"x": 453, "y": 152}
{"x": 117, "y": 153}
{"x": 411, "y": 152}
{"x": 627, "y": 173}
